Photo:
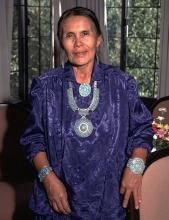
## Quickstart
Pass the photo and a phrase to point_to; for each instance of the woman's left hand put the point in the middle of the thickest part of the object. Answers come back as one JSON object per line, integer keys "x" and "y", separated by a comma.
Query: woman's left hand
{"x": 131, "y": 184}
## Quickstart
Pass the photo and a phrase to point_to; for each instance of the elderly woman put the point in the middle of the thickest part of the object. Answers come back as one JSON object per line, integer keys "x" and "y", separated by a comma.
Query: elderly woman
{"x": 88, "y": 133}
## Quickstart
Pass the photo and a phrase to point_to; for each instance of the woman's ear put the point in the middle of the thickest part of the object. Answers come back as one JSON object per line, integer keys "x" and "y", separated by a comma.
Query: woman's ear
{"x": 99, "y": 40}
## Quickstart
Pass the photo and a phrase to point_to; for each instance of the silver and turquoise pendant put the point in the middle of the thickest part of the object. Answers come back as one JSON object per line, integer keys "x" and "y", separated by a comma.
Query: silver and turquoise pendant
{"x": 83, "y": 127}
{"x": 84, "y": 89}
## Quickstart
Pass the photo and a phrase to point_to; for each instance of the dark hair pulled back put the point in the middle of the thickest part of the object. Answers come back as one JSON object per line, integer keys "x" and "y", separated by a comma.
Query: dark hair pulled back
{"x": 78, "y": 11}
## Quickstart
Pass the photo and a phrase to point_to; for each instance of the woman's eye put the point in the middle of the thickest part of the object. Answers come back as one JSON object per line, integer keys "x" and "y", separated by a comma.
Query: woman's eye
{"x": 85, "y": 33}
{"x": 69, "y": 35}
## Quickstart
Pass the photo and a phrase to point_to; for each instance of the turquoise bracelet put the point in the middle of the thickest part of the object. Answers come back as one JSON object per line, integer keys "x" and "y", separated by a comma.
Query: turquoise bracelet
{"x": 136, "y": 165}
{"x": 43, "y": 172}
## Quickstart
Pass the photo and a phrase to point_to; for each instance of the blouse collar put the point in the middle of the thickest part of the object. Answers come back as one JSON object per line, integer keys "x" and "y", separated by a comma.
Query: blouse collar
{"x": 97, "y": 73}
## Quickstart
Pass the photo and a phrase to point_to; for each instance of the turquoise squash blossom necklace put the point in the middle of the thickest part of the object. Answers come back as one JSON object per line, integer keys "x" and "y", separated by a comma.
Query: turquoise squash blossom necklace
{"x": 83, "y": 127}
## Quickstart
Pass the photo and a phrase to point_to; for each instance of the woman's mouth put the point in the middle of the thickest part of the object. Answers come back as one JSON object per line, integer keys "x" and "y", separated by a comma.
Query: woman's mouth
{"x": 80, "y": 54}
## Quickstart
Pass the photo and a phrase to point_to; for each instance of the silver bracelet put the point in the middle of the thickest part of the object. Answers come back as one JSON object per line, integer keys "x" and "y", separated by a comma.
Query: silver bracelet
{"x": 43, "y": 172}
{"x": 136, "y": 165}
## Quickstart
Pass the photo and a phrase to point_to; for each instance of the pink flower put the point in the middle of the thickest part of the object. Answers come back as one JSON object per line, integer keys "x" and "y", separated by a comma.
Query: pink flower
{"x": 161, "y": 133}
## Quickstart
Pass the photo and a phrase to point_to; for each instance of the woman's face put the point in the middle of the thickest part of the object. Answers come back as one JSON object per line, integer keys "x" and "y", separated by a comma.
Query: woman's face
{"x": 80, "y": 40}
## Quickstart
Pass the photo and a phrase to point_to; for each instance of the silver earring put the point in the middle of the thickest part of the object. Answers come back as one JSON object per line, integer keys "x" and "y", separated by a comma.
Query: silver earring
{"x": 62, "y": 64}
{"x": 97, "y": 58}
{"x": 62, "y": 58}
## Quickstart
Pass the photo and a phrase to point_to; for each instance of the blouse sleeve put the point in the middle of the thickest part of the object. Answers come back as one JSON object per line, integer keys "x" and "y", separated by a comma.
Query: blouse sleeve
{"x": 33, "y": 139}
{"x": 140, "y": 120}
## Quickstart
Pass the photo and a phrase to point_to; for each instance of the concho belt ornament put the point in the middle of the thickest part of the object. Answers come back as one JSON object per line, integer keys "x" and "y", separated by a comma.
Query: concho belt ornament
{"x": 83, "y": 127}
{"x": 84, "y": 89}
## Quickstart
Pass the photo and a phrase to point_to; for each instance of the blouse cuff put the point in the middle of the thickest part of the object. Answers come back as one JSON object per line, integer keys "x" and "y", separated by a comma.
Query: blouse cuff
{"x": 138, "y": 144}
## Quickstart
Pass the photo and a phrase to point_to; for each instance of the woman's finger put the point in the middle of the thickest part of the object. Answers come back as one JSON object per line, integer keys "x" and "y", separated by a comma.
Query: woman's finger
{"x": 136, "y": 198}
{"x": 65, "y": 205}
{"x": 55, "y": 207}
{"x": 126, "y": 198}
{"x": 139, "y": 195}
{"x": 60, "y": 206}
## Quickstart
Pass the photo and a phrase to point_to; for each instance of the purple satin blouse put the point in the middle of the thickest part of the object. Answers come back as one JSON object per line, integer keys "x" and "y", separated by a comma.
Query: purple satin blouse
{"x": 91, "y": 168}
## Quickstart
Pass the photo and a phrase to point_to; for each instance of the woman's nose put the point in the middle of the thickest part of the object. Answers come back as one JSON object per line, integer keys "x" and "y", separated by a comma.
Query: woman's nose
{"x": 77, "y": 41}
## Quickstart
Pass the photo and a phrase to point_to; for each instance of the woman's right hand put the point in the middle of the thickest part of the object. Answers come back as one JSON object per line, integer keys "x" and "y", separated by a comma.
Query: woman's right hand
{"x": 57, "y": 194}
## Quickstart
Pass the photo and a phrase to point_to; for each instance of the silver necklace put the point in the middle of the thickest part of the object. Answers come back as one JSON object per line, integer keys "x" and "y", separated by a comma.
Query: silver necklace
{"x": 83, "y": 127}
{"x": 84, "y": 89}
